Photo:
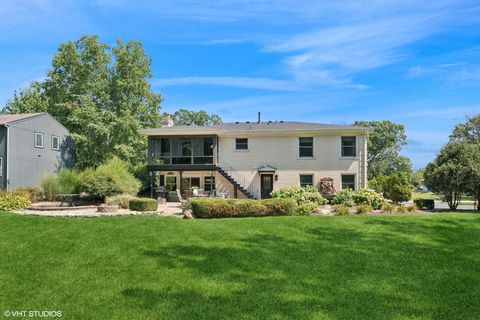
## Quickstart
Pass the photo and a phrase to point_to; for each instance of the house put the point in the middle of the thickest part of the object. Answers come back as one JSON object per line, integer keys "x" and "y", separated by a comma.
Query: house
{"x": 31, "y": 145}
{"x": 250, "y": 159}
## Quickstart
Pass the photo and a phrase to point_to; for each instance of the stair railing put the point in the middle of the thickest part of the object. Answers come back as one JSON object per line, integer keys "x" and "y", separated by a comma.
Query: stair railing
{"x": 239, "y": 178}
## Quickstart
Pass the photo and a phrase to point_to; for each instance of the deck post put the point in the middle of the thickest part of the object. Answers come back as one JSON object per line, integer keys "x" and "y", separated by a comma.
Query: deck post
{"x": 181, "y": 178}
{"x": 151, "y": 183}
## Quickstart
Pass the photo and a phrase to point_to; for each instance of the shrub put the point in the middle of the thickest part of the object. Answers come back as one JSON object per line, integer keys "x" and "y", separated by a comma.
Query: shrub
{"x": 14, "y": 200}
{"x": 344, "y": 197}
{"x": 401, "y": 209}
{"x": 34, "y": 194}
{"x": 141, "y": 173}
{"x": 121, "y": 200}
{"x": 68, "y": 181}
{"x": 411, "y": 208}
{"x": 279, "y": 207}
{"x": 388, "y": 208}
{"x": 299, "y": 194}
{"x": 341, "y": 210}
{"x": 222, "y": 208}
{"x": 143, "y": 204}
{"x": 395, "y": 187}
{"x": 428, "y": 204}
{"x": 109, "y": 179}
{"x": 306, "y": 208}
{"x": 364, "y": 209}
{"x": 50, "y": 186}
{"x": 368, "y": 197}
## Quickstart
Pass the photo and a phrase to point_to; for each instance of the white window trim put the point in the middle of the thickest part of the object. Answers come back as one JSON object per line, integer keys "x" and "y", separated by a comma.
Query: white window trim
{"x": 313, "y": 149}
{"x": 355, "y": 182}
{"x": 1, "y": 166}
{"x": 58, "y": 144}
{"x": 240, "y": 150}
{"x": 43, "y": 140}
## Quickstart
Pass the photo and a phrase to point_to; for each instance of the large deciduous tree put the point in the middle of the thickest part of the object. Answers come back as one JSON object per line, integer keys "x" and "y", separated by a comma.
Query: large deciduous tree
{"x": 384, "y": 144}
{"x": 199, "y": 118}
{"x": 468, "y": 131}
{"x": 454, "y": 171}
{"x": 101, "y": 94}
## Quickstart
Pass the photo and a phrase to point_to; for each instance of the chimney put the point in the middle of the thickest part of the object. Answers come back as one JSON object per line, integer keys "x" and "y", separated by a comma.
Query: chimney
{"x": 167, "y": 121}
{"x": 259, "y": 114}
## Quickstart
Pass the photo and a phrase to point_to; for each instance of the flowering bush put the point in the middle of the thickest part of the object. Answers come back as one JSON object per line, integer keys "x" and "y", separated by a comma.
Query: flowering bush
{"x": 300, "y": 195}
{"x": 14, "y": 200}
{"x": 344, "y": 197}
{"x": 368, "y": 197}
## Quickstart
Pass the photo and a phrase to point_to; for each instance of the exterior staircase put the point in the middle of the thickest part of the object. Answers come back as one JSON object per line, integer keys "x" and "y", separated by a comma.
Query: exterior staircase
{"x": 229, "y": 174}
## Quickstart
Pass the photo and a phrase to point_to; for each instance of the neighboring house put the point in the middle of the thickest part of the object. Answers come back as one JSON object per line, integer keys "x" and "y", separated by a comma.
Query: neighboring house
{"x": 252, "y": 159}
{"x": 31, "y": 145}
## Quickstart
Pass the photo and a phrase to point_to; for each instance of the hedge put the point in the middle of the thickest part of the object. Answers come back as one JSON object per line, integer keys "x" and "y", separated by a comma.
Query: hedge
{"x": 143, "y": 204}
{"x": 428, "y": 204}
{"x": 225, "y": 208}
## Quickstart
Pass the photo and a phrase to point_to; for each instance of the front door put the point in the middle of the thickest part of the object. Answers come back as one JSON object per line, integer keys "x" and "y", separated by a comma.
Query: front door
{"x": 266, "y": 185}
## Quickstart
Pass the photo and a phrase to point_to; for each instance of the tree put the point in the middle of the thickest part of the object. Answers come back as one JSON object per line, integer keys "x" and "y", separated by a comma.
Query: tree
{"x": 395, "y": 187}
{"x": 200, "y": 118}
{"x": 452, "y": 171}
{"x": 416, "y": 178}
{"x": 384, "y": 144}
{"x": 468, "y": 131}
{"x": 101, "y": 94}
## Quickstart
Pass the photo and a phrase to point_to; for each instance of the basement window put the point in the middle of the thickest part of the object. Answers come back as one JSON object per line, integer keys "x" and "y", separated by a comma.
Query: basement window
{"x": 348, "y": 181}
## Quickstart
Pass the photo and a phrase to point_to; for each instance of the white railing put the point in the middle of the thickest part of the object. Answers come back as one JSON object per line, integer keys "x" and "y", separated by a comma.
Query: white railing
{"x": 240, "y": 178}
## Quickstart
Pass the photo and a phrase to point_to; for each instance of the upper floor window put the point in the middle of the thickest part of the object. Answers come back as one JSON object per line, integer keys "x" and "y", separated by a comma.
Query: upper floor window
{"x": 208, "y": 146}
{"x": 349, "y": 146}
{"x": 55, "y": 143}
{"x": 38, "y": 140}
{"x": 306, "y": 180}
{"x": 241, "y": 144}
{"x": 305, "y": 147}
{"x": 348, "y": 181}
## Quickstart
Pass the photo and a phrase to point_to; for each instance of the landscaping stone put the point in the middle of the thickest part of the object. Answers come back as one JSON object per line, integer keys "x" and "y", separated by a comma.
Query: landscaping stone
{"x": 187, "y": 215}
{"x": 107, "y": 208}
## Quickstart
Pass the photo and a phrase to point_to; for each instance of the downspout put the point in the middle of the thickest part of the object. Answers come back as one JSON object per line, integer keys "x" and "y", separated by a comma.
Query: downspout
{"x": 6, "y": 157}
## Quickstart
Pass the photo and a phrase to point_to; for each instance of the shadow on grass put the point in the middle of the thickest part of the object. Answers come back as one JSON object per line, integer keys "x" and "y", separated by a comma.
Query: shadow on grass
{"x": 387, "y": 269}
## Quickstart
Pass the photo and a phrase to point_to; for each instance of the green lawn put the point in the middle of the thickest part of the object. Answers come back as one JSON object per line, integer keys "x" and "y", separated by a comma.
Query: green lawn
{"x": 350, "y": 267}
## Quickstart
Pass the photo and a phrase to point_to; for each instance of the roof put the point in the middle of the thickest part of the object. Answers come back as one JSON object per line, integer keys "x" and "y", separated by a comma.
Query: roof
{"x": 9, "y": 118}
{"x": 261, "y": 127}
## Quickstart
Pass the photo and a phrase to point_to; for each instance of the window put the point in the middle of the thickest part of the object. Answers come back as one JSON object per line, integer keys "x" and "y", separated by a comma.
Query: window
{"x": 171, "y": 183}
{"x": 190, "y": 183}
{"x": 55, "y": 143}
{"x": 38, "y": 140}
{"x": 241, "y": 144}
{"x": 1, "y": 166}
{"x": 208, "y": 146}
{"x": 305, "y": 147}
{"x": 348, "y": 181}
{"x": 349, "y": 146}
{"x": 306, "y": 180}
{"x": 209, "y": 182}
{"x": 186, "y": 147}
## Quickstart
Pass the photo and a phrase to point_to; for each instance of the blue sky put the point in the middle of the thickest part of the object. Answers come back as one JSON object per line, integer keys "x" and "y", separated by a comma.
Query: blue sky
{"x": 413, "y": 62}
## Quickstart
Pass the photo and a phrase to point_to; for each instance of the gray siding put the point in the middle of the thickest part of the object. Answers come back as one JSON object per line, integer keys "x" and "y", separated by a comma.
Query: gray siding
{"x": 27, "y": 163}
